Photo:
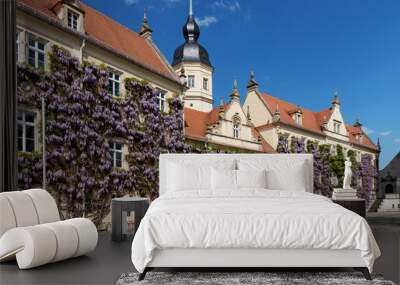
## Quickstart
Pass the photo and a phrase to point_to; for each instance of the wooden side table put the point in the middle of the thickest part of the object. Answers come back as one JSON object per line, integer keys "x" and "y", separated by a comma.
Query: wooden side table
{"x": 355, "y": 205}
{"x": 120, "y": 207}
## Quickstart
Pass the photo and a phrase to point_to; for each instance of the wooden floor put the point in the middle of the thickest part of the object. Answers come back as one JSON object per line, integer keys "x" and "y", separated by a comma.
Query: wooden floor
{"x": 110, "y": 260}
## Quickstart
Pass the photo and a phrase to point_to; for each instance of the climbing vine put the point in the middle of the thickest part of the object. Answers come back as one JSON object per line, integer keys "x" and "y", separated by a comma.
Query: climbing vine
{"x": 328, "y": 166}
{"x": 82, "y": 121}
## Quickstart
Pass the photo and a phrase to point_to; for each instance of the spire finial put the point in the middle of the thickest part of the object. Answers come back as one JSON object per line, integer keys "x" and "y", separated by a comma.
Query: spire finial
{"x": 191, "y": 8}
{"x": 335, "y": 100}
{"x": 357, "y": 123}
{"x": 248, "y": 113}
{"x": 145, "y": 16}
{"x": 145, "y": 29}
{"x": 252, "y": 82}
{"x": 235, "y": 93}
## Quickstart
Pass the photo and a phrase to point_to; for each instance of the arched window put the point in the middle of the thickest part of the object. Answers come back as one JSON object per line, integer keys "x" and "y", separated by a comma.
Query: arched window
{"x": 389, "y": 189}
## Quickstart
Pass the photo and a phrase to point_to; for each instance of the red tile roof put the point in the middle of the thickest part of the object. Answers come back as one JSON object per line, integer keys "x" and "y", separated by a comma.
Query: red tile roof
{"x": 196, "y": 123}
{"x": 311, "y": 121}
{"x": 103, "y": 30}
{"x": 365, "y": 140}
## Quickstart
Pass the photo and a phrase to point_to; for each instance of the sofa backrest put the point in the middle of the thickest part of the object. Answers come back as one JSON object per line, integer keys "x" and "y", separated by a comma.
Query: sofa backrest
{"x": 285, "y": 164}
{"x": 26, "y": 208}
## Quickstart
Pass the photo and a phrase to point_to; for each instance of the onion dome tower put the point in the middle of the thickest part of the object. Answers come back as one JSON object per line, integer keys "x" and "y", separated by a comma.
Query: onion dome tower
{"x": 194, "y": 59}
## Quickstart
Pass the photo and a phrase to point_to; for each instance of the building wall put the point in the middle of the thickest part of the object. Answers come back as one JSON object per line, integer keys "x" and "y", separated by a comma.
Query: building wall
{"x": 336, "y": 116}
{"x": 79, "y": 48}
{"x": 260, "y": 115}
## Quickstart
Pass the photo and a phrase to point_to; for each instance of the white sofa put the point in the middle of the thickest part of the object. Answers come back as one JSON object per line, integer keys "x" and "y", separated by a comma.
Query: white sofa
{"x": 31, "y": 230}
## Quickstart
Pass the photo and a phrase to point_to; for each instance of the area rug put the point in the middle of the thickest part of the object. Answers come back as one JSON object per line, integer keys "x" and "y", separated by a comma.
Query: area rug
{"x": 244, "y": 278}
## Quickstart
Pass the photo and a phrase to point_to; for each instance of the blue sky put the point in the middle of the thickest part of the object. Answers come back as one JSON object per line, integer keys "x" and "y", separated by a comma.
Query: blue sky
{"x": 300, "y": 50}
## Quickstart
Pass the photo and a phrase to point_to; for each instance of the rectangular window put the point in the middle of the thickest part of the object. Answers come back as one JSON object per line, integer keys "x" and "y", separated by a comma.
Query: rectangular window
{"x": 297, "y": 118}
{"x": 26, "y": 131}
{"x": 236, "y": 131}
{"x": 113, "y": 85}
{"x": 191, "y": 81}
{"x": 73, "y": 20}
{"x": 205, "y": 83}
{"x": 116, "y": 154}
{"x": 161, "y": 100}
{"x": 336, "y": 127}
{"x": 35, "y": 52}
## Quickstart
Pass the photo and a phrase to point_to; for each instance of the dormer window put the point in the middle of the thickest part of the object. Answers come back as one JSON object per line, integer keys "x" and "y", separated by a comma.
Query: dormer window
{"x": 73, "y": 20}
{"x": 336, "y": 127}
{"x": 296, "y": 114}
{"x": 297, "y": 118}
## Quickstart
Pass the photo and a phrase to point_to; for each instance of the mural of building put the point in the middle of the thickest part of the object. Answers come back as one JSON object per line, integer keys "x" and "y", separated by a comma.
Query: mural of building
{"x": 89, "y": 36}
{"x": 254, "y": 126}
{"x": 257, "y": 124}
{"x": 390, "y": 186}
{"x": 192, "y": 60}
{"x": 273, "y": 117}
{"x": 390, "y": 177}
{"x": 224, "y": 127}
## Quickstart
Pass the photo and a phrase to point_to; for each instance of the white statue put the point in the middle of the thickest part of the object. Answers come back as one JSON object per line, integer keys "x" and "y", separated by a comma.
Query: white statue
{"x": 347, "y": 174}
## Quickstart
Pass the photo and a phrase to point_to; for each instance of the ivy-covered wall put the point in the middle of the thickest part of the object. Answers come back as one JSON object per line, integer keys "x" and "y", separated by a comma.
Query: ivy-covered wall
{"x": 329, "y": 168}
{"x": 81, "y": 120}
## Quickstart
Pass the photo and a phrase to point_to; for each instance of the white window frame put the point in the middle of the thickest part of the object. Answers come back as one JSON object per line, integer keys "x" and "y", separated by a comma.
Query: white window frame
{"x": 113, "y": 151}
{"x": 336, "y": 127}
{"x": 22, "y": 122}
{"x": 236, "y": 130}
{"x": 161, "y": 99}
{"x": 74, "y": 22}
{"x": 112, "y": 79}
{"x": 297, "y": 118}
{"x": 191, "y": 81}
{"x": 36, "y": 50}
{"x": 205, "y": 83}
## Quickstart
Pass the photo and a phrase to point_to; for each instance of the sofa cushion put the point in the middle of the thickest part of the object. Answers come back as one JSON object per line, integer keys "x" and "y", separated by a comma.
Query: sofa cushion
{"x": 23, "y": 208}
{"x": 45, "y": 205}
